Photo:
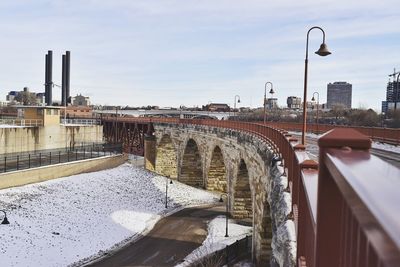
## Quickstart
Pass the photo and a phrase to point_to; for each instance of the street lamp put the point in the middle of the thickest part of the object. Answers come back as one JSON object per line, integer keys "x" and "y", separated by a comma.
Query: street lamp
{"x": 234, "y": 104}
{"x": 397, "y": 92}
{"x": 5, "y": 220}
{"x": 313, "y": 99}
{"x": 226, "y": 212}
{"x": 265, "y": 98}
{"x": 322, "y": 51}
{"x": 166, "y": 190}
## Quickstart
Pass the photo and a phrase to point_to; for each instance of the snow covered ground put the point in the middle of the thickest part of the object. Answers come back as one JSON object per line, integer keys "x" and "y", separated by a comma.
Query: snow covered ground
{"x": 387, "y": 147}
{"x": 73, "y": 219}
{"x": 216, "y": 239}
{"x": 11, "y": 126}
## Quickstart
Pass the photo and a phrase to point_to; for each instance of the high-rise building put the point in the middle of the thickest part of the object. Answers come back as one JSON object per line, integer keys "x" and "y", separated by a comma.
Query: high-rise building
{"x": 293, "y": 102}
{"x": 392, "y": 97}
{"x": 339, "y": 94}
{"x": 272, "y": 103}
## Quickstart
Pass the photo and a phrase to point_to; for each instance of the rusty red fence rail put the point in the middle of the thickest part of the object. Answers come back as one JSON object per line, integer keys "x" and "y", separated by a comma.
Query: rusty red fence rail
{"x": 345, "y": 207}
{"x": 387, "y": 135}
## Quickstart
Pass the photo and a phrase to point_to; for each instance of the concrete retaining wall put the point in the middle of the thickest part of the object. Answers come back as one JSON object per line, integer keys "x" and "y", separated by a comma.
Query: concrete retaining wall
{"x": 22, "y": 139}
{"x": 35, "y": 175}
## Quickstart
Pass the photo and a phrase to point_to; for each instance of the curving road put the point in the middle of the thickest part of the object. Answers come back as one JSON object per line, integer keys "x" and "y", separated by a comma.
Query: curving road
{"x": 171, "y": 240}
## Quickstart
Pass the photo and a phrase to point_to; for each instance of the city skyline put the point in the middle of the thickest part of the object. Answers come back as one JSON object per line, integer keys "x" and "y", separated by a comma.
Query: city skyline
{"x": 169, "y": 53}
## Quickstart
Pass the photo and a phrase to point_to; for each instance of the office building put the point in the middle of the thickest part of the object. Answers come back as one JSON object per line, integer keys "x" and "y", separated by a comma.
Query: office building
{"x": 392, "y": 97}
{"x": 293, "y": 102}
{"x": 339, "y": 95}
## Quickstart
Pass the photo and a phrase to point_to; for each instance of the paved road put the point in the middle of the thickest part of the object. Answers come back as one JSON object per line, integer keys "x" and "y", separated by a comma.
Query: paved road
{"x": 170, "y": 241}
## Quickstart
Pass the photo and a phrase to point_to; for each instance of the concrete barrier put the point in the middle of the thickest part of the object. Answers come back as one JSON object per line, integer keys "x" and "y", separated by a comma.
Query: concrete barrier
{"x": 40, "y": 174}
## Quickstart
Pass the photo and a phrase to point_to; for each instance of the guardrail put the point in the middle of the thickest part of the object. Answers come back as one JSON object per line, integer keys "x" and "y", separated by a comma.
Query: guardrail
{"x": 386, "y": 135}
{"x": 345, "y": 208}
{"x": 21, "y": 122}
{"x": 80, "y": 121}
{"x": 27, "y": 160}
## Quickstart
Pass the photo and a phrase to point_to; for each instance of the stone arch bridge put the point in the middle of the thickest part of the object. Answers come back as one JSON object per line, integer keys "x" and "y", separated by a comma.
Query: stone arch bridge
{"x": 271, "y": 184}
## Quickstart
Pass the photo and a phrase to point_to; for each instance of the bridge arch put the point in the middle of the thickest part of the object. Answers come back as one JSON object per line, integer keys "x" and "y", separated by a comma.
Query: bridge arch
{"x": 242, "y": 195}
{"x": 166, "y": 159}
{"x": 217, "y": 171}
{"x": 191, "y": 171}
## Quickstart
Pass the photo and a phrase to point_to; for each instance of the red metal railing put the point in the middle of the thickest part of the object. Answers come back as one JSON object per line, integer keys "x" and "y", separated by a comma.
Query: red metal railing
{"x": 345, "y": 208}
{"x": 387, "y": 135}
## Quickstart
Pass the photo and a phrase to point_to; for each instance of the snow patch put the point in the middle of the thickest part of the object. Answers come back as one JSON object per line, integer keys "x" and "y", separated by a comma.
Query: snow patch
{"x": 216, "y": 239}
{"x": 71, "y": 220}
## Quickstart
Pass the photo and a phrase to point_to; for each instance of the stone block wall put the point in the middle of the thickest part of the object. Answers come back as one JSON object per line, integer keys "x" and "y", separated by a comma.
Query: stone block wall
{"x": 251, "y": 179}
{"x": 166, "y": 158}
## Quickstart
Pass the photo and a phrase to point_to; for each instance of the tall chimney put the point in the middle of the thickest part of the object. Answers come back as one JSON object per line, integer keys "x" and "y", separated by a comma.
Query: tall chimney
{"x": 46, "y": 79}
{"x": 67, "y": 73}
{"x": 63, "y": 82}
{"x": 50, "y": 78}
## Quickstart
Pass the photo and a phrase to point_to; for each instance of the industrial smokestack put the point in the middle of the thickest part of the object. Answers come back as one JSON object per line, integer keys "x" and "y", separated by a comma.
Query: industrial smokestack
{"x": 67, "y": 73}
{"x": 49, "y": 78}
{"x": 46, "y": 79}
{"x": 63, "y": 81}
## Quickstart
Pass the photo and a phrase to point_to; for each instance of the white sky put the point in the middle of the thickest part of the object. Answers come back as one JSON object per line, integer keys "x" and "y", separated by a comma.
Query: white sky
{"x": 175, "y": 52}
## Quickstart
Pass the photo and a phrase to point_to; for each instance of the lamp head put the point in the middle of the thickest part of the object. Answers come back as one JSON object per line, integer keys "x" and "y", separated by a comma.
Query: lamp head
{"x": 272, "y": 91}
{"x": 239, "y": 100}
{"x": 220, "y": 199}
{"x": 170, "y": 181}
{"x": 313, "y": 99}
{"x": 5, "y": 220}
{"x": 323, "y": 50}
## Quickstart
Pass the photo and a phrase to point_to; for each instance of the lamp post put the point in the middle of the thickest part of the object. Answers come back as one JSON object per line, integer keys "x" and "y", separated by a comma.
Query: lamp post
{"x": 272, "y": 96}
{"x": 265, "y": 98}
{"x": 234, "y": 104}
{"x": 166, "y": 190}
{"x": 5, "y": 220}
{"x": 322, "y": 51}
{"x": 226, "y": 212}
{"x": 313, "y": 99}
{"x": 397, "y": 92}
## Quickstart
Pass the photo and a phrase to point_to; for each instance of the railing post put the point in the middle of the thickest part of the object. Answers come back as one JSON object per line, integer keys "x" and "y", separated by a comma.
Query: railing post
{"x": 17, "y": 162}
{"x": 59, "y": 156}
{"x": 50, "y": 158}
{"x": 5, "y": 164}
{"x": 330, "y": 202}
{"x": 29, "y": 161}
{"x": 40, "y": 159}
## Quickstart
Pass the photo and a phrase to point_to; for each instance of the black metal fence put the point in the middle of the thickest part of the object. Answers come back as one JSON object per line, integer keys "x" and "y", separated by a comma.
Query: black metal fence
{"x": 239, "y": 250}
{"x": 33, "y": 159}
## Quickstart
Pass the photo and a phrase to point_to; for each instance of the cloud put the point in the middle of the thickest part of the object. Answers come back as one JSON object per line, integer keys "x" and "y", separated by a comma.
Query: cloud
{"x": 172, "y": 51}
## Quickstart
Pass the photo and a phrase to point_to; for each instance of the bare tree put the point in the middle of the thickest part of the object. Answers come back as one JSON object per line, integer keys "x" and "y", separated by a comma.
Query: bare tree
{"x": 25, "y": 97}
